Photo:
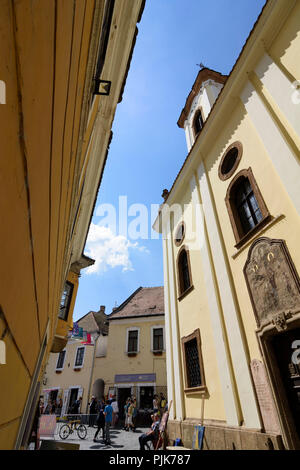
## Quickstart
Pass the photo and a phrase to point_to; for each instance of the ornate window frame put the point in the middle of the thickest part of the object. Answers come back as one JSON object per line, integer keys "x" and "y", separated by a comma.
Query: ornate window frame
{"x": 238, "y": 145}
{"x": 182, "y": 293}
{"x": 184, "y": 340}
{"x": 240, "y": 236}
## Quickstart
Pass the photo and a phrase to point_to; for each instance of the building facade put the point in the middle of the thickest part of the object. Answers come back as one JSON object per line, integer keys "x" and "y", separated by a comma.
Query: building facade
{"x": 68, "y": 373}
{"x": 62, "y": 73}
{"x": 230, "y": 226}
{"x": 133, "y": 362}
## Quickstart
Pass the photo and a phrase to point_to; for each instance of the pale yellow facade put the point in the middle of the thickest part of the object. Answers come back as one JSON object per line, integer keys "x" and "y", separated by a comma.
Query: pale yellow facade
{"x": 69, "y": 377}
{"x": 131, "y": 372}
{"x": 257, "y": 106}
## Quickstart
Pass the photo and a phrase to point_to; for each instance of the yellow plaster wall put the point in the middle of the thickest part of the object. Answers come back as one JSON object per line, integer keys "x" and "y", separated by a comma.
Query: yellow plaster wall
{"x": 285, "y": 47}
{"x": 39, "y": 130}
{"x": 69, "y": 376}
{"x": 117, "y": 361}
{"x": 278, "y": 202}
{"x": 193, "y": 313}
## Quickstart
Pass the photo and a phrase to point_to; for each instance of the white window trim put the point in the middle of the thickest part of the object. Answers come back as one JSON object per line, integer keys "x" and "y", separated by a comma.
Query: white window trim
{"x": 63, "y": 365}
{"x": 79, "y": 367}
{"x": 155, "y": 327}
{"x": 133, "y": 328}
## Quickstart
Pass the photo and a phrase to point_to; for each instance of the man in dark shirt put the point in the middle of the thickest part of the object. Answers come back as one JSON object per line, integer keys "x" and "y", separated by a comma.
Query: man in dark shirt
{"x": 151, "y": 435}
{"x": 93, "y": 411}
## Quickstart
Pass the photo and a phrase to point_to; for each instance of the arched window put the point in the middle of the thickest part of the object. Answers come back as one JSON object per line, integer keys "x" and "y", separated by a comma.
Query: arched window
{"x": 246, "y": 207}
{"x": 198, "y": 122}
{"x": 184, "y": 272}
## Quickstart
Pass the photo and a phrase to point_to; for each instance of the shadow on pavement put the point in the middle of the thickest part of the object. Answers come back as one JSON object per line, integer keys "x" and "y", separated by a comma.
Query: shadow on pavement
{"x": 106, "y": 446}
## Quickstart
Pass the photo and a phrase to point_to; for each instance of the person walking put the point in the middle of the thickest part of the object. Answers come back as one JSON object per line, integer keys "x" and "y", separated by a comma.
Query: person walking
{"x": 108, "y": 411}
{"x": 126, "y": 406}
{"x": 151, "y": 435}
{"x": 162, "y": 404}
{"x": 93, "y": 411}
{"x": 115, "y": 408}
{"x": 100, "y": 421}
{"x": 130, "y": 415}
{"x": 134, "y": 415}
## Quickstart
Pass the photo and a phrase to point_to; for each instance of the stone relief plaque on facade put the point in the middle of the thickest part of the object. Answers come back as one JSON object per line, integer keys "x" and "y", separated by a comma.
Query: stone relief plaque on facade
{"x": 273, "y": 282}
{"x": 264, "y": 397}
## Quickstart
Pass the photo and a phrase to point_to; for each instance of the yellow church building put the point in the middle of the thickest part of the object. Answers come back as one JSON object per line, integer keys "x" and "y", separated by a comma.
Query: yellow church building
{"x": 231, "y": 228}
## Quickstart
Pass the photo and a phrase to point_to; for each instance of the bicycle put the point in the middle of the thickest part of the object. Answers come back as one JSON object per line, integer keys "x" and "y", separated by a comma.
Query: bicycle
{"x": 67, "y": 429}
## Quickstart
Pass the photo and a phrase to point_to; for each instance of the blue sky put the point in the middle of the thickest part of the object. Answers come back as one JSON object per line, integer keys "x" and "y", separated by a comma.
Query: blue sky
{"x": 148, "y": 148}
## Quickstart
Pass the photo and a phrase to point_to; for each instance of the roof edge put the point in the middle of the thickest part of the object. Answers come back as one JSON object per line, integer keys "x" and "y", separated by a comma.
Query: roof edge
{"x": 203, "y": 75}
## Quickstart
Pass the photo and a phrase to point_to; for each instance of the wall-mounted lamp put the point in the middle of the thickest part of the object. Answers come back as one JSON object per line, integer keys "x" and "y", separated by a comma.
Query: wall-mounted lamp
{"x": 102, "y": 87}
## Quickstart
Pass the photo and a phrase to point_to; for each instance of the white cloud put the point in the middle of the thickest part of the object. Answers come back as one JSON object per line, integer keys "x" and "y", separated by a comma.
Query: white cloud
{"x": 109, "y": 250}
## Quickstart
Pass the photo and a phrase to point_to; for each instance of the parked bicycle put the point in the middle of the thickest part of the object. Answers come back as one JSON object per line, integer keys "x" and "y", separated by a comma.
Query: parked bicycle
{"x": 70, "y": 427}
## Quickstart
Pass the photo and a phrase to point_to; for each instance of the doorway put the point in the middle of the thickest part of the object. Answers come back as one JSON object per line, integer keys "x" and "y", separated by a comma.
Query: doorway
{"x": 146, "y": 397}
{"x": 123, "y": 394}
{"x": 287, "y": 380}
{"x": 73, "y": 398}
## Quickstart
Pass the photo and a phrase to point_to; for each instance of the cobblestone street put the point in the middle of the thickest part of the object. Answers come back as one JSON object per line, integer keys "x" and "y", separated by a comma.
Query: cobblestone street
{"x": 120, "y": 439}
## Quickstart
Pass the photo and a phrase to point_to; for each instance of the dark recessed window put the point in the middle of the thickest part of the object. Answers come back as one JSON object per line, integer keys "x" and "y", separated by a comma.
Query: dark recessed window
{"x": 183, "y": 271}
{"x": 133, "y": 341}
{"x": 158, "y": 339}
{"x": 198, "y": 122}
{"x": 66, "y": 301}
{"x": 79, "y": 357}
{"x": 61, "y": 360}
{"x": 180, "y": 233}
{"x": 230, "y": 160}
{"x": 245, "y": 205}
{"x": 193, "y": 362}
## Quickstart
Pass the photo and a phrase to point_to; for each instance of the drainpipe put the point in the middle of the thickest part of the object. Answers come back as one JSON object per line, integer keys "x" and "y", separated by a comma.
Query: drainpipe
{"x": 92, "y": 371}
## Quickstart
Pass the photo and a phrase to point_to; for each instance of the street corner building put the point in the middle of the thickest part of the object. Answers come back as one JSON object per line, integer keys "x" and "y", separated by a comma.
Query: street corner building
{"x": 62, "y": 73}
{"x": 231, "y": 226}
{"x": 68, "y": 374}
{"x": 131, "y": 360}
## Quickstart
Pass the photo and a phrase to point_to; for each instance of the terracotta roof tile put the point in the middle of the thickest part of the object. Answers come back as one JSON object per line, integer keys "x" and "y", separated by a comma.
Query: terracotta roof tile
{"x": 145, "y": 301}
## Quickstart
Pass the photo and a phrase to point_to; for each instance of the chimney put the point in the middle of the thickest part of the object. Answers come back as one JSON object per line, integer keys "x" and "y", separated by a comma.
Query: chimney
{"x": 102, "y": 309}
{"x": 165, "y": 194}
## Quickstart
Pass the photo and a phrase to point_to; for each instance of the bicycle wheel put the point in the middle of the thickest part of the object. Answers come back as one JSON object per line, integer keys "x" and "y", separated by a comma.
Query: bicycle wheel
{"x": 64, "y": 431}
{"x": 81, "y": 431}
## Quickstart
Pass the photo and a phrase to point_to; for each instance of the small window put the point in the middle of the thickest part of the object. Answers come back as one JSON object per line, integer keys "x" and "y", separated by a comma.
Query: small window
{"x": 66, "y": 301}
{"x": 193, "y": 363}
{"x": 132, "y": 341}
{"x": 180, "y": 233}
{"x": 158, "y": 339}
{"x": 245, "y": 205}
{"x": 184, "y": 272}
{"x": 198, "y": 122}
{"x": 79, "y": 357}
{"x": 230, "y": 160}
{"x": 61, "y": 360}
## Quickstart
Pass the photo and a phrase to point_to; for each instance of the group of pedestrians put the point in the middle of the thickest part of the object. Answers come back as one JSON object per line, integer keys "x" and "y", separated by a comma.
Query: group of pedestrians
{"x": 106, "y": 417}
{"x": 53, "y": 407}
